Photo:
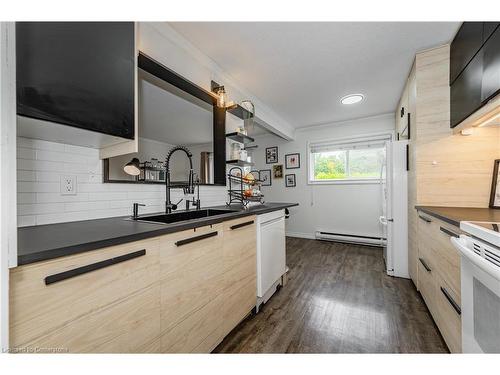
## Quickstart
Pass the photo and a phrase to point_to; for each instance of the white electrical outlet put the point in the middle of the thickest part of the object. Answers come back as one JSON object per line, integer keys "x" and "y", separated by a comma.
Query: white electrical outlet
{"x": 68, "y": 185}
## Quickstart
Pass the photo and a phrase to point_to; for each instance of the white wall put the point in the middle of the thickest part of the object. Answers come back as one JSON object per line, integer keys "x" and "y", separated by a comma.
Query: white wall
{"x": 348, "y": 209}
{"x": 40, "y": 166}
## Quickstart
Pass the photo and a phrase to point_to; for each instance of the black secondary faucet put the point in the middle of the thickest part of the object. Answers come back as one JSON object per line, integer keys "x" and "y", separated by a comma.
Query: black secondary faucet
{"x": 189, "y": 189}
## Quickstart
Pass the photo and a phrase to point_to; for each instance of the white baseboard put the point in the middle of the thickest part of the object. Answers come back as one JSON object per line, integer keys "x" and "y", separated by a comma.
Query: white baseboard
{"x": 309, "y": 236}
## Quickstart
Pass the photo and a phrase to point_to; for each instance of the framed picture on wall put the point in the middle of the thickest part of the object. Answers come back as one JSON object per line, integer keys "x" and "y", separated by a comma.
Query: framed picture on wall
{"x": 271, "y": 155}
{"x": 292, "y": 161}
{"x": 495, "y": 186}
{"x": 278, "y": 171}
{"x": 265, "y": 177}
{"x": 290, "y": 180}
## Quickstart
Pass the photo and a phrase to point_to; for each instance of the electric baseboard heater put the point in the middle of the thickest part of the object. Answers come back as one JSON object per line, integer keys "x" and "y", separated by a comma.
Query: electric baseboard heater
{"x": 349, "y": 238}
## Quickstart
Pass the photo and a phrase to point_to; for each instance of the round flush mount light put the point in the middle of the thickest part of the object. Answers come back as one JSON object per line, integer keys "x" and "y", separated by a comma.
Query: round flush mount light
{"x": 352, "y": 99}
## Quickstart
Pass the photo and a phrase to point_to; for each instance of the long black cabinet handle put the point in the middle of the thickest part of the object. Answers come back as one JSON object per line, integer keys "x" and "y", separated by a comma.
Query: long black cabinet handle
{"x": 451, "y": 301}
{"x": 236, "y": 226}
{"x": 92, "y": 267}
{"x": 427, "y": 220}
{"x": 425, "y": 265}
{"x": 449, "y": 232}
{"x": 194, "y": 239}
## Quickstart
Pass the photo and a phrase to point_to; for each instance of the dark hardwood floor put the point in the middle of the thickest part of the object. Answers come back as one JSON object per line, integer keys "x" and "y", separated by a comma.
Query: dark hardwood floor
{"x": 338, "y": 300}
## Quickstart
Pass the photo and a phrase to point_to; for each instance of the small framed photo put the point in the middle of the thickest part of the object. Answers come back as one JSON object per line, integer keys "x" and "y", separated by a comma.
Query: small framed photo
{"x": 278, "y": 171}
{"x": 292, "y": 161}
{"x": 495, "y": 186}
{"x": 272, "y": 155}
{"x": 290, "y": 180}
{"x": 265, "y": 177}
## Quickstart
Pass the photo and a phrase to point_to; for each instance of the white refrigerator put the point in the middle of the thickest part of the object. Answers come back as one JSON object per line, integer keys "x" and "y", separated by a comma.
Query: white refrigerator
{"x": 394, "y": 217}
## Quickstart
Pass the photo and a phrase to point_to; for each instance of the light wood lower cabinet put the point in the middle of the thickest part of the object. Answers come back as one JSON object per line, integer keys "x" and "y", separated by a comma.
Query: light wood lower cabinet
{"x": 111, "y": 309}
{"x": 177, "y": 293}
{"x": 439, "y": 277}
{"x": 240, "y": 282}
{"x": 192, "y": 280}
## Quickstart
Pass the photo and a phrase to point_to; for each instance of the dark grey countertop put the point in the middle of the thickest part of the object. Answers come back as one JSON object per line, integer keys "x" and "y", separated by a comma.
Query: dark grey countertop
{"x": 454, "y": 215}
{"x": 43, "y": 242}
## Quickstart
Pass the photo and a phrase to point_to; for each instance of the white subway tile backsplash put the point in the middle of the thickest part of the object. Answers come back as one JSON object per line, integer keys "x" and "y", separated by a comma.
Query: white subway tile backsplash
{"x": 41, "y": 165}
{"x": 85, "y": 206}
{"x": 26, "y": 220}
{"x": 59, "y": 156}
{"x": 36, "y": 209}
{"x": 57, "y": 197}
{"x": 33, "y": 187}
{"x": 25, "y": 198}
{"x": 25, "y": 153}
{"x": 26, "y": 175}
{"x": 107, "y": 196}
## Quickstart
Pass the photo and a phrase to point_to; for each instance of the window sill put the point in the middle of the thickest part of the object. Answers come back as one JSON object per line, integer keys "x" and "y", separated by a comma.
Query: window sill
{"x": 371, "y": 181}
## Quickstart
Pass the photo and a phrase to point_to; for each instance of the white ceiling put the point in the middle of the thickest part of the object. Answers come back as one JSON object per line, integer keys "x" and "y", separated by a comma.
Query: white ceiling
{"x": 301, "y": 70}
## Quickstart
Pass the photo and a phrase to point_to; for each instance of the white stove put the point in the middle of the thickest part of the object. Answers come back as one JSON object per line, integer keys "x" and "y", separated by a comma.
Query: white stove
{"x": 480, "y": 282}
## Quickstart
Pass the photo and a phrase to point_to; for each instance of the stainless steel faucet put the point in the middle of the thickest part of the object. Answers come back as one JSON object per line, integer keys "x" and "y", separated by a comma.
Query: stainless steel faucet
{"x": 189, "y": 189}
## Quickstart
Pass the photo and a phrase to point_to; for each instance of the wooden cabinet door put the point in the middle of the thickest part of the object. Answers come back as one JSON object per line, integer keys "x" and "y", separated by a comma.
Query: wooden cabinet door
{"x": 240, "y": 270}
{"x": 448, "y": 314}
{"x": 191, "y": 288}
{"x": 115, "y": 308}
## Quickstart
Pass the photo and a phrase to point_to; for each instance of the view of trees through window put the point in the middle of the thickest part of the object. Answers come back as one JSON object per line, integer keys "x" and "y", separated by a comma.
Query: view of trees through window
{"x": 348, "y": 164}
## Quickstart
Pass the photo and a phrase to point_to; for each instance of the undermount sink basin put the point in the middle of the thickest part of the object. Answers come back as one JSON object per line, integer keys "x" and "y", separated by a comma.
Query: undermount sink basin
{"x": 183, "y": 216}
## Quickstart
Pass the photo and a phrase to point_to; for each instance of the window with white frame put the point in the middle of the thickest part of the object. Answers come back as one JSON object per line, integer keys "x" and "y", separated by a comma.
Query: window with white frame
{"x": 359, "y": 159}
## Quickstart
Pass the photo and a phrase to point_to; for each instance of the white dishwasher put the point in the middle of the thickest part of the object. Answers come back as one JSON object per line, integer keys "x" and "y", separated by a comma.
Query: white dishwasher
{"x": 271, "y": 255}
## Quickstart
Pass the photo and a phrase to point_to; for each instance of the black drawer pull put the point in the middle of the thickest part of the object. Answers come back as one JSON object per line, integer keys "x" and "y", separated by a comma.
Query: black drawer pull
{"x": 425, "y": 265}
{"x": 427, "y": 220}
{"x": 451, "y": 301}
{"x": 194, "y": 239}
{"x": 92, "y": 267}
{"x": 236, "y": 226}
{"x": 449, "y": 232}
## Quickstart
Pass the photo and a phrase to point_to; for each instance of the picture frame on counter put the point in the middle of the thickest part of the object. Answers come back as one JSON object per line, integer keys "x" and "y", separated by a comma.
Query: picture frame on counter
{"x": 278, "y": 171}
{"x": 495, "y": 186}
{"x": 290, "y": 180}
{"x": 292, "y": 161}
{"x": 265, "y": 177}
{"x": 271, "y": 155}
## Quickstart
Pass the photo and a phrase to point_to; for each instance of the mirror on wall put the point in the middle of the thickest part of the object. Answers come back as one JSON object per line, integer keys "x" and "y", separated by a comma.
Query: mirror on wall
{"x": 170, "y": 116}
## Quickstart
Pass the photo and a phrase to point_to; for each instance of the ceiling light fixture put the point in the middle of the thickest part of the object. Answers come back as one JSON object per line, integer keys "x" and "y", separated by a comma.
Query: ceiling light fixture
{"x": 352, "y": 99}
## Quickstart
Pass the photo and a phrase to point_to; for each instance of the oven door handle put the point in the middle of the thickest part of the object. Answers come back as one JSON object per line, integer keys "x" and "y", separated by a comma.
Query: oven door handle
{"x": 474, "y": 258}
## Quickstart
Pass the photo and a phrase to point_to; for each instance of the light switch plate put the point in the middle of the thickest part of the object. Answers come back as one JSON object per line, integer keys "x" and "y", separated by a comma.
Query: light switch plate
{"x": 68, "y": 185}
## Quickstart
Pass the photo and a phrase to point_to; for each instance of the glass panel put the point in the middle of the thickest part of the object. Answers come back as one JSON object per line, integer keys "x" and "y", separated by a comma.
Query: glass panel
{"x": 366, "y": 163}
{"x": 330, "y": 165}
{"x": 486, "y": 318}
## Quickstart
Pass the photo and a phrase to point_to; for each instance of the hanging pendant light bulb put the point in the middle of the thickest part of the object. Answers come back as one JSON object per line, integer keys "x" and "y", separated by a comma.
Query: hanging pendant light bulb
{"x": 222, "y": 98}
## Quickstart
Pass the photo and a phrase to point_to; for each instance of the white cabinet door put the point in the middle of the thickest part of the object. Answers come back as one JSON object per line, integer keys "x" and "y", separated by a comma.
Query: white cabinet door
{"x": 272, "y": 262}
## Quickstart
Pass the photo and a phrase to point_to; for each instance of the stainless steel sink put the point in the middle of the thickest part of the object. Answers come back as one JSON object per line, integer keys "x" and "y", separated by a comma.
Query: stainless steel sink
{"x": 183, "y": 216}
